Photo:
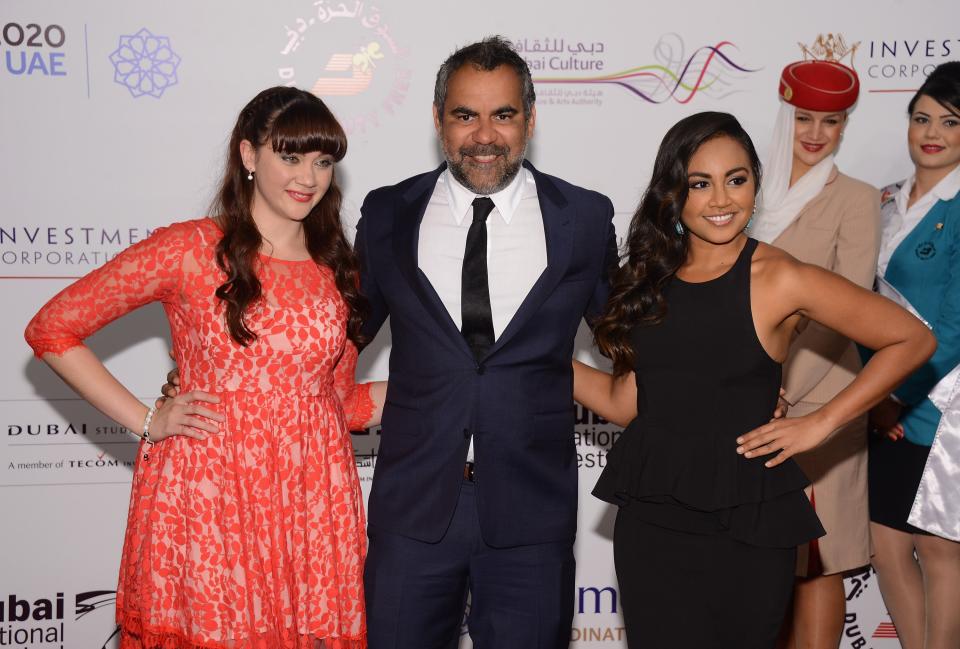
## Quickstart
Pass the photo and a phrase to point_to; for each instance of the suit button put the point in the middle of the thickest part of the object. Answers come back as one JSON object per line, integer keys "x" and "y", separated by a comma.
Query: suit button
{"x": 481, "y": 369}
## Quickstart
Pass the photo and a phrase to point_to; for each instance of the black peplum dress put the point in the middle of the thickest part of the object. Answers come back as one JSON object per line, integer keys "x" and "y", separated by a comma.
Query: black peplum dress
{"x": 705, "y": 539}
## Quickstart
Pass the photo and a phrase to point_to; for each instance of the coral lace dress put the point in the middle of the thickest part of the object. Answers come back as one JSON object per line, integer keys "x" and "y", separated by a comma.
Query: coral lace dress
{"x": 253, "y": 538}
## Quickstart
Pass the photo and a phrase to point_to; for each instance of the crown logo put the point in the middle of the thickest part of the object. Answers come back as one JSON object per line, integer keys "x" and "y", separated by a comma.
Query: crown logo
{"x": 829, "y": 47}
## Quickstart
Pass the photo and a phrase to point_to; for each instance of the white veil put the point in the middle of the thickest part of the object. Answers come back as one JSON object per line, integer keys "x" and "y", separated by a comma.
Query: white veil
{"x": 779, "y": 203}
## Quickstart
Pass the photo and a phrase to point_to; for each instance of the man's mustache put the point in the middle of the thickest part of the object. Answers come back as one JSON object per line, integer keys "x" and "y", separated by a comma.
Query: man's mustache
{"x": 484, "y": 149}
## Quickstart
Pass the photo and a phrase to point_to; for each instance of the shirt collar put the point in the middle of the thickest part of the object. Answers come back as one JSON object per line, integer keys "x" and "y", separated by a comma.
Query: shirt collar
{"x": 903, "y": 196}
{"x": 945, "y": 190}
{"x": 949, "y": 185}
{"x": 507, "y": 200}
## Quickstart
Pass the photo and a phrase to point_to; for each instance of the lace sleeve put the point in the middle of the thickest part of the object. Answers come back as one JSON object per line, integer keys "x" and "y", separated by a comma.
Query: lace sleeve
{"x": 358, "y": 405}
{"x": 148, "y": 271}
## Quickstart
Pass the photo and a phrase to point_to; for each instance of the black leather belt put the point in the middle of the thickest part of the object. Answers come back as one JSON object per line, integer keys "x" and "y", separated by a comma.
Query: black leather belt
{"x": 469, "y": 472}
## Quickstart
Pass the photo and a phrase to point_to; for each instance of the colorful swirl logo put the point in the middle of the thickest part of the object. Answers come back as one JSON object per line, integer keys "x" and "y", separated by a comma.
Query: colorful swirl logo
{"x": 710, "y": 70}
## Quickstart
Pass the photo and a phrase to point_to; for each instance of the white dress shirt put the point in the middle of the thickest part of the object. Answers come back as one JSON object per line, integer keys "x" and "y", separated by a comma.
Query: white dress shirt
{"x": 516, "y": 246}
{"x": 899, "y": 221}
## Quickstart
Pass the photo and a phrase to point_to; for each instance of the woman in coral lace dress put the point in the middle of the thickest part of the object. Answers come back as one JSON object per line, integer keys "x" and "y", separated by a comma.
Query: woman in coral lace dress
{"x": 246, "y": 526}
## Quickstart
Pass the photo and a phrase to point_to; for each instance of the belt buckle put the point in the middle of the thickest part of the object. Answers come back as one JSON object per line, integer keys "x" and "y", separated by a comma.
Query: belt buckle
{"x": 469, "y": 471}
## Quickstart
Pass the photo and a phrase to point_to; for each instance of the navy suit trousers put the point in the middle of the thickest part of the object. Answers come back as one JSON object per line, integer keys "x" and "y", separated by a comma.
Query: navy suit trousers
{"x": 417, "y": 592}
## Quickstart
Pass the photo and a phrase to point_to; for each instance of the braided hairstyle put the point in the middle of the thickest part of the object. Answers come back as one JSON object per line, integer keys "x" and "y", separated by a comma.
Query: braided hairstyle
{"x": 289, "y": 120}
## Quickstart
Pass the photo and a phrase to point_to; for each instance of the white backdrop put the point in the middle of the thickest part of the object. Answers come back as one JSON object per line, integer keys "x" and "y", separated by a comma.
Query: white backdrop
{"x": 115, "y": 119}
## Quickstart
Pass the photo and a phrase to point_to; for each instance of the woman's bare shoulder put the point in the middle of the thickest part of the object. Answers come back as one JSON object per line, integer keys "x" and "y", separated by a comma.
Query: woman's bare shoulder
{"x": 770, "y": 259}
{"x": 777, "y": 269}
{"x": 780, "y": 272}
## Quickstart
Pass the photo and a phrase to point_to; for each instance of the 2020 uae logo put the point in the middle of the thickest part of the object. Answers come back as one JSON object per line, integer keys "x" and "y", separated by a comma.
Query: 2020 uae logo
{"x": 33, "y": 49}
{"x": 350, "y": 58}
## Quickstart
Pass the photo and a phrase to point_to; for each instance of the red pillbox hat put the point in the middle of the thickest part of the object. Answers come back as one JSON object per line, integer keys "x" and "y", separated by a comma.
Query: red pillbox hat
{"x": 819, "y": 85}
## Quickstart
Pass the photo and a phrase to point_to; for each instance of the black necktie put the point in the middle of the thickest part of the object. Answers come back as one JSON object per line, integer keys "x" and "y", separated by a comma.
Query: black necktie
{"x": 477, "y": 319}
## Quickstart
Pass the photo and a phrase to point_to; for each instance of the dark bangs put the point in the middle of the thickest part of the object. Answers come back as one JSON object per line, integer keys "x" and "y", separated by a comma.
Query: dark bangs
{"x": 304, "y": 126}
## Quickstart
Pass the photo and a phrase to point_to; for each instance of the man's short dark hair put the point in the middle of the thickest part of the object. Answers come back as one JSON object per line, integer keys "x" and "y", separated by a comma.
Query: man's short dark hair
{"x": 487, "y": 55}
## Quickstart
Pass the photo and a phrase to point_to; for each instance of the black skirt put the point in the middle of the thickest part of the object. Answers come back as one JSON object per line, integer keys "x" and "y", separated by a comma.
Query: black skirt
{"x": 894, "y": 473}
{"x": 681, "y": 590}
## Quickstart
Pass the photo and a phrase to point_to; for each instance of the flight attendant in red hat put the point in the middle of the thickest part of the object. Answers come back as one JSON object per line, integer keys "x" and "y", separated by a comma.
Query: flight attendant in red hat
{"x": 823, "y": 217}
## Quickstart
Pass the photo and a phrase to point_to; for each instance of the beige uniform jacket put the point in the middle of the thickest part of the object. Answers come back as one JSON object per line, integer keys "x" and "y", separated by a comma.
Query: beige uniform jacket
{"x": 838, "y": 230}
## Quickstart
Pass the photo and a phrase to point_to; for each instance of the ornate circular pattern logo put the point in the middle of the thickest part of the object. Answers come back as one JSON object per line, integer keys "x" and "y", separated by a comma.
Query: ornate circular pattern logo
{"x": 145, "y": 64}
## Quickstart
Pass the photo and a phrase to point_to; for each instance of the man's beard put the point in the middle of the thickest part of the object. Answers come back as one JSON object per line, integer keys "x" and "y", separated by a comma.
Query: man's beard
{"x": 505, "y": 167}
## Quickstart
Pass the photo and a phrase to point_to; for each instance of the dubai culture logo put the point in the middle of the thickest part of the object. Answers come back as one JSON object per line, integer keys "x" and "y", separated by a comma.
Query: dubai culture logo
{"x": 679, "y": 76}
{"x": 145, "y": 64}
{"x": 350, "y": 56}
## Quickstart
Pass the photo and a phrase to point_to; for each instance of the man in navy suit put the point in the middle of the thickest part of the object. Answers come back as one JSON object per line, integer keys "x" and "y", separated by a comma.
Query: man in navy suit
{"x": 485, "y": 267}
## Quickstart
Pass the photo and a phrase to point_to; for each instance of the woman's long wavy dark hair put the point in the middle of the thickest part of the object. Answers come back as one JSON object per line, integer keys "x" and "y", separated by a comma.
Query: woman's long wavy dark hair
{"x": 654, "y": 250}
{"x": 289, "y": 120}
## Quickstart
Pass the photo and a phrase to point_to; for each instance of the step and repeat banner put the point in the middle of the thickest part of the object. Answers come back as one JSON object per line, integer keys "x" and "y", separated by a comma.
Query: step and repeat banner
{"x": 115, "y": 119}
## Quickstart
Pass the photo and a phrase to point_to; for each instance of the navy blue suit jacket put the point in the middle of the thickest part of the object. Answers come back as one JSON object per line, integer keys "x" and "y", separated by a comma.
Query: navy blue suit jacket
{"x": 516, "y": 403}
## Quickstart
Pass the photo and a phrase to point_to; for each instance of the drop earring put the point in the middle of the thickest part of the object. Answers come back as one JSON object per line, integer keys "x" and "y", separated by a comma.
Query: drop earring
{"x": 678, "y": 226}
{"x": 249, "y": 174}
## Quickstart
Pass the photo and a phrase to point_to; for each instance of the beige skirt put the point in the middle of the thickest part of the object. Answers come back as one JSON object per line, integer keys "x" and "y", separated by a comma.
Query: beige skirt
{"x": 837, "y": 470}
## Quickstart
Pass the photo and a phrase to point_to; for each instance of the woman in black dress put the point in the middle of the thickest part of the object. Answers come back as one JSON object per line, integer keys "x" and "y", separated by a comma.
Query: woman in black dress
{"x": 699, "y": 319}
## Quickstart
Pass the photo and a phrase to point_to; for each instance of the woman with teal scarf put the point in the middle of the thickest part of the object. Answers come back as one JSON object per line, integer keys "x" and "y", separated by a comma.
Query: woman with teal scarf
{"x": 919, "y": 572}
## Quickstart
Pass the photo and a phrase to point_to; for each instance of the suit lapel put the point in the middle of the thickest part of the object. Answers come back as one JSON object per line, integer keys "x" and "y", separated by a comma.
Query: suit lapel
{"x": 558, "y": 217}
{"x": 406, "y": 238}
